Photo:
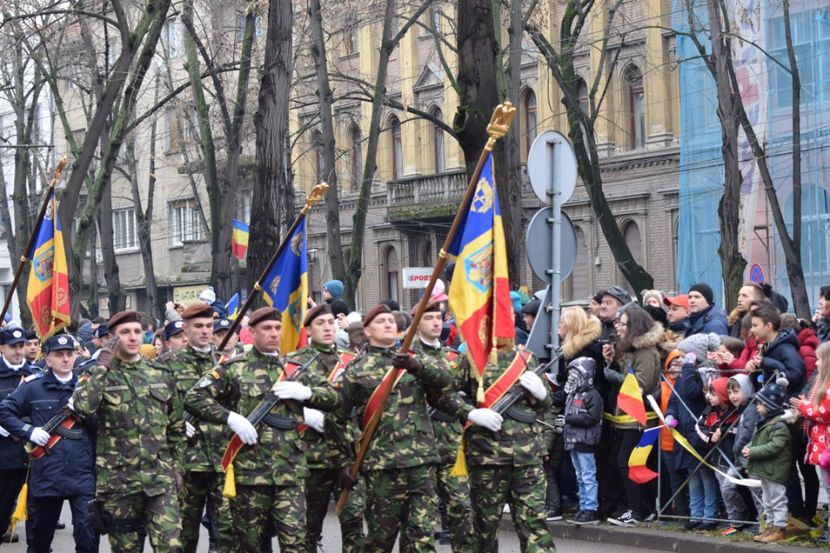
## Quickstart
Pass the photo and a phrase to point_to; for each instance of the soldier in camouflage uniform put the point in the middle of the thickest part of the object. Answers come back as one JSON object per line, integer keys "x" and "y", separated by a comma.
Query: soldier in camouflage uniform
{"x": 399, "y": 467}
{"x": 454, "y": 490}
{"x": 325, "y": 459}
{"x": 199, "y": 452}
{"x": 504, "y": 457}
{"x": 136, "y": 408}
{"x": 269, "y": 478}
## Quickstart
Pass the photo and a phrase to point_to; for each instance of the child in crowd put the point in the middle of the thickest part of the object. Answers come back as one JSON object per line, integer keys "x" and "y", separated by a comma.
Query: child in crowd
{"x": 670, "y": 486}
{"x": 730, "y": 349}
{"x": 738, "y": 499}
{"x": 583, "y": 426}
{"x": 712, "y": 428}
{"x": 815, "y": 408}
{"x": 768, "y": 458}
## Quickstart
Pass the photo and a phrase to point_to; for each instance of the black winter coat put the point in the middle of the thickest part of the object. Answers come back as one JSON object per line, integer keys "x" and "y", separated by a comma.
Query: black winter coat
{"x": 781, "y": 356}
{"x": 689, "y": 388}
{"x": 12, "y": 455}
{"x": 69, "y": 471}
{"x": 583, "y": 420}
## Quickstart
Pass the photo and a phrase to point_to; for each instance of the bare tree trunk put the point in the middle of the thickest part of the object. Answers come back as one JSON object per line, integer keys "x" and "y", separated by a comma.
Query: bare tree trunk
{"x": 328, "y": 169}
{"x": 115, "y": 293}
{"x": 509, "y": 171}
{"x": 271, "y": 122}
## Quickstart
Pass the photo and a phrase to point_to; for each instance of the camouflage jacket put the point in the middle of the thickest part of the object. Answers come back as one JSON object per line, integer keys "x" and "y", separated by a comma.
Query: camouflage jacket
{"x": 447, "y": 428}
{"x": 517, "y": 443}
{"x": 404, "y": 437}
{"x": 322, "y": 450}
{"x": 202, "y": 452}
{"x": 138, "y": 425}
{"x": 239, "y": 385}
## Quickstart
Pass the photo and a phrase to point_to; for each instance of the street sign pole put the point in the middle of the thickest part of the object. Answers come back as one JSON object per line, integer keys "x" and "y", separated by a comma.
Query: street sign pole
{"x": 555, "y": 193}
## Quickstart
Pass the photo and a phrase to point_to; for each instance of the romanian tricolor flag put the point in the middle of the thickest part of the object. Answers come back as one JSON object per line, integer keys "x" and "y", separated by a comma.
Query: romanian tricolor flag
{"x": 630, "y": 398}
{"x": 637, "y": 470}
{"x": 48, "y": 290}
{"x": 480, "y": 289}
{"x": 286, "y": 288}
{"x": 239, "y": 239}
{"x": 232, "y": 307}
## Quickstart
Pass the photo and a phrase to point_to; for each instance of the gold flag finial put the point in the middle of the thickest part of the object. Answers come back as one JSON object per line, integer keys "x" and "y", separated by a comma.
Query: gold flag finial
{"x": 499, "y": 123}
{"x": 315, "y": 196}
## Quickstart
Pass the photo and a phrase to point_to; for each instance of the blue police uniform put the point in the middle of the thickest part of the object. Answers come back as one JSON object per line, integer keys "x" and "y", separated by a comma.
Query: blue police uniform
{"x": 13, "y": 459}
{"x": 67, "y": 473}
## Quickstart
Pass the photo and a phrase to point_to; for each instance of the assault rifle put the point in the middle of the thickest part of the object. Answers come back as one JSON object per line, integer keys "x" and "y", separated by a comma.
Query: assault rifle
{"x": 261, "y": 412}
{"x": 505, "y": 404}
{"x": 59, "y": 426}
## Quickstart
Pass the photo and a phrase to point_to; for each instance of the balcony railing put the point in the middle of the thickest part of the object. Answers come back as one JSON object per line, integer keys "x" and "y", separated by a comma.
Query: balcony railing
{"x": 423, "y": 191}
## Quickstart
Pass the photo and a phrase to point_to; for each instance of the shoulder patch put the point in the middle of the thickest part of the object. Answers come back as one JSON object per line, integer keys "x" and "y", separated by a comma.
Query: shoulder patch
{"x": 33, "y": 376}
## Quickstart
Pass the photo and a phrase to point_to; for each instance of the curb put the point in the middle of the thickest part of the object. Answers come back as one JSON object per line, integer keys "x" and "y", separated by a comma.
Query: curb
{"x": 660, "y": 540}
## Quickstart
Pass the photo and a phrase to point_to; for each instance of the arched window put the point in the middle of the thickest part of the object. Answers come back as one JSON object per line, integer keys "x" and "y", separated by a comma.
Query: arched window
{"x": 356, "y": 159}
{"x": 396, "y": 147}
{"x": 636, "y": 108}
{"x": 392, "y": 269}
{"x": 437, "y": 141}
{"x": 528, "y": 122}
{"x": 582, "y": 90}
{"x": 634, "y": 241}
{"x": 578, "y": 285}
{"x": 317, "y": 153}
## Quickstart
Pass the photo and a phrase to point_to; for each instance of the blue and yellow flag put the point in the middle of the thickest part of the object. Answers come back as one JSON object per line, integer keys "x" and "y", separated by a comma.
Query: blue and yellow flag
{"x": 239, "y": 239}
{"x": 286, "y": 288}
{"x": 48, "y": 291}
{"x": 637, "y": 470}
{"x": 480, "y": 288}
{"x": 232, "y": 307}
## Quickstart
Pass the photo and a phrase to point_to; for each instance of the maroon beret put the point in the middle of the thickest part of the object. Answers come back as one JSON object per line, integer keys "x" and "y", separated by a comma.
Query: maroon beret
{"x": 198, "y": 310}
{"x": 264, "y": 314}
{"x": 374, "y": 312}
{"x": 126, "y": 316}
{"x": 316, "y": 311}
{"x": 432, "y": 306}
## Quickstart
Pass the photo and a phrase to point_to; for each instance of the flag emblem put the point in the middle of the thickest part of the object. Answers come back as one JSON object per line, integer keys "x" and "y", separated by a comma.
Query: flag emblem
{"x": 478, "y": 268}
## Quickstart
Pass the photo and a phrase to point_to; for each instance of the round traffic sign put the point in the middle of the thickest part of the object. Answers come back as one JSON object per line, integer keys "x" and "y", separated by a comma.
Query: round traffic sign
{"x": 539, "y": 248}
{"x": 551, "y": 167}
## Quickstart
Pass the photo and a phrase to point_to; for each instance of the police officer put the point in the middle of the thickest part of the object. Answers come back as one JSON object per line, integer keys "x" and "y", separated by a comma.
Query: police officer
{"x": 136, "y": 406}
{"x": 221, "y": 327}
{"x": 32, "y": 347}
{"x": 13, "y": 459}
{"x": 324, "y": 457}
{"x": 269, "y": 479}
{"x": 174, "y": 339}
{"x": 67, "y": 472}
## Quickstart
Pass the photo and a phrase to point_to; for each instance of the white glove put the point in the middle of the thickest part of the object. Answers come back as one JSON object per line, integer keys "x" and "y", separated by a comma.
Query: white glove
{"x": 243, "y": 428}
{"x": 4, "y": 433}
{"x": 39, "y": 436}
{"x": 314, "y": 418}
{"x": 71, "y": 403}
{"x": 189, "y": 429}
{"x": 291, "y": 390}
{"x": 531, "y": 382}
{"x": 486, "y": 418}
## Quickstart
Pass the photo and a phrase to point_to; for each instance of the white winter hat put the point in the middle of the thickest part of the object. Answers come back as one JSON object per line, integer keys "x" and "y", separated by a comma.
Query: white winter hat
{"x": 208, "y": 295}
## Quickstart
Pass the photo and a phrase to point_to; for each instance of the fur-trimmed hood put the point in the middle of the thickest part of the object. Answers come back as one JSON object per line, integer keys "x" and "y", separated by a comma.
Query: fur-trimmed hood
{"x": 735, "y": 316}
{"x": 577, "y": 343}
{"x": 651, "y": 339}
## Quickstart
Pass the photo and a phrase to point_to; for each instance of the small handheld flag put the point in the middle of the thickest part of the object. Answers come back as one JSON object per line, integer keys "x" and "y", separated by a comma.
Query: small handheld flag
{"x": 630, "y": 399}
{"x": 239, "y": 239}
{"x": 232, "y": 307}
{"x": 637, "y": 470}
{"x": 285, "y": 287}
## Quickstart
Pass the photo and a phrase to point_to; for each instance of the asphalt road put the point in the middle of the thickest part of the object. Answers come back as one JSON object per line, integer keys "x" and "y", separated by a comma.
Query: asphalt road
{"x": 508, "y": 542}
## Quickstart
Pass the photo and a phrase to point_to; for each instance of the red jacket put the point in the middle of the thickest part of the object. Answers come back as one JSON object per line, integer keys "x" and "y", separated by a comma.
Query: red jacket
{"x": 809, "y": 342}
{"x": 739, "y": 364}
{"x": 818, "y": 423}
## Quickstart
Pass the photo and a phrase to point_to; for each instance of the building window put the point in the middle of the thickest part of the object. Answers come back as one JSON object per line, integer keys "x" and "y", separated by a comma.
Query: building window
{"x": 317, "y": 153}
{"x": 392, "y": 268}
{"x": 396, "y": 147}
{"x": 356, "y": 158}
{"x": 584, "y": 102}
{"x": 437, "y": 141}
{"x": 528, "y": 122}
{"x": 350, "y": 39}
{"x": 185, "y": 224}
{"x": 811, "y": 44}
{"x": 634, "y": 241}
{"x": 173, "y": 38}
{"x": 636, "y": 108}
{"x": 125, "y": 233}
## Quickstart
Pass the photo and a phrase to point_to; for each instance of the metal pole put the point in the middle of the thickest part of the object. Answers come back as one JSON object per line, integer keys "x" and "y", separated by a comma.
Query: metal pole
{"x": 555, "y": 192}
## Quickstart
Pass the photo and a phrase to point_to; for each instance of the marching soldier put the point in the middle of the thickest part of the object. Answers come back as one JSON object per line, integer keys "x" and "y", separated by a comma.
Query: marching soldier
{"x": 504, "y": 455}
{"x": 453, "y": 490}
{"x": 67, "y": 472}
{"x": 198, "y": 455}
{"x": 324, "y": 457}
{"x": 13, "y": 459}
{"x": 138, "y": 428}
{"x": 269, "y": 479}
{"x": 174, "y": 339}
{"x": 221, "y": 327}
{"x": 399, "y": 467}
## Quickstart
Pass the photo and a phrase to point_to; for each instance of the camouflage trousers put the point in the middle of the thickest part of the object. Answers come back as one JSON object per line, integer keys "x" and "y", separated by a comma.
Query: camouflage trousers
{"x": 200, "y": 490}
{"x": 455, "y": 491}
{"x": 400, "y": 500}
{"x": 523, "y": 488}
{"x": 159, "y": 516}
{"x": 320, "y": 485}
{"x": 260, "y": 512}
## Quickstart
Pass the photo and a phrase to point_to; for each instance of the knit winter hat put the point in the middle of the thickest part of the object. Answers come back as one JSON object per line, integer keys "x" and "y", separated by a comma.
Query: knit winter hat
{"x": 516, "y": 300}
{"x": 699, "y": 344}
{"x": 652, "y": 294}
{"x": 720, "y": 386}
{"x": 704, "y": 290}
{"x": 774, "y": 396}
{"x": 335, "y": 288}
{"x": 208, "y": 295}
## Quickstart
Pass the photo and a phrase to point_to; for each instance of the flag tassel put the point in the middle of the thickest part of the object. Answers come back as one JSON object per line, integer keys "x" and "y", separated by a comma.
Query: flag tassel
{"x": 229, "y": 489}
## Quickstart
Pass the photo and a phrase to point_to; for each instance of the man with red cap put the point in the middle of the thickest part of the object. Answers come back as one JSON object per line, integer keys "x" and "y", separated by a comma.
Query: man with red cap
{"x": 138, "y": 428}
{"x": 269, "y": 479}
